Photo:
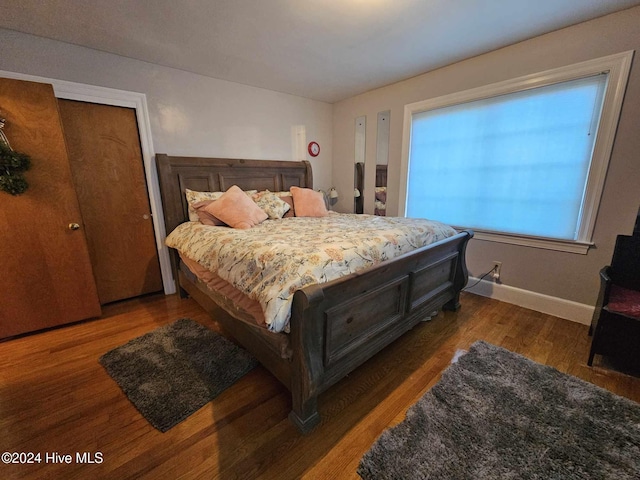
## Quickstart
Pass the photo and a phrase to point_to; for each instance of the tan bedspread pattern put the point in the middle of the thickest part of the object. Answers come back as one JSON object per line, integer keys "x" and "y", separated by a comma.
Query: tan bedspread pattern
{"x": 269, "y": 262}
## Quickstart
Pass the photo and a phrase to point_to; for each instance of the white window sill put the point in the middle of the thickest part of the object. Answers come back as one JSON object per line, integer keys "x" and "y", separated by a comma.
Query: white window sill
{"x": 570, "y": 246}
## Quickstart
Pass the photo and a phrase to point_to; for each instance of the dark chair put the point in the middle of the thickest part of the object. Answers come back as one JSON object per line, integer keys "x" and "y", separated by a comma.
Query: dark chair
{"x": 616, "y": 321}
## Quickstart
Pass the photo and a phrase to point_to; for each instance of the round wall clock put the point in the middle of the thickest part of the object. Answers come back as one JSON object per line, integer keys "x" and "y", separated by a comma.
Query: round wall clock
{"x": 314, "y": 149}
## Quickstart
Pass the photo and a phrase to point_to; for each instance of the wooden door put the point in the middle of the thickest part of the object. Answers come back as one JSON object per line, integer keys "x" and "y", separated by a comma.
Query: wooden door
{"x": 108, "y": 173}
{"x": 45, "y": 271}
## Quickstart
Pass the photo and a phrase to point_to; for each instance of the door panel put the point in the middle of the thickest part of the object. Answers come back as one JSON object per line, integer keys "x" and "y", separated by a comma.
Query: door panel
{"x": 107, "y": 168}
{"x": 46, "y": 277}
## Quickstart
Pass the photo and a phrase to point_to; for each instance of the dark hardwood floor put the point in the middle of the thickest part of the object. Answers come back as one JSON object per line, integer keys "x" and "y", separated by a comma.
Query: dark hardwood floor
{"x": 55, "y": 397}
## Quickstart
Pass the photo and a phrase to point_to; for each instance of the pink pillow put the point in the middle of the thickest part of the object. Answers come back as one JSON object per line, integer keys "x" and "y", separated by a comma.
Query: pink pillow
{"x": 308, "y": 202}
{"x": 289, "y": 200}
{"x": 205, "y": 217}
{"x": 236, "y": 209}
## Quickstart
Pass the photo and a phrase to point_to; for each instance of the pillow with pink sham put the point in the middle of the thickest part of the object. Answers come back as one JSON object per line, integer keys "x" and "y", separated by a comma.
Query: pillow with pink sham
{"x": 381, "y": 194}
{"x": 287, "y": 197}
{"x": 193, "y": 196}
{"x": 308, "y": 202}
{"x": 236, "y": 209}
{"x": 205, "y": 217}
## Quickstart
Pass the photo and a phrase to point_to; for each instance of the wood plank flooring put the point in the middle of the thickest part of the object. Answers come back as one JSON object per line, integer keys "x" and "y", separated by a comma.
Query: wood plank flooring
{"x": 55, "y": 397}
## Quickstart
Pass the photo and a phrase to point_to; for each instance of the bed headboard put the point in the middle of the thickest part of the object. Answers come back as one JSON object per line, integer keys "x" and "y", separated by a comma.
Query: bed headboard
{"x": 217, "y": 175}
{"x": 381, "y": 175}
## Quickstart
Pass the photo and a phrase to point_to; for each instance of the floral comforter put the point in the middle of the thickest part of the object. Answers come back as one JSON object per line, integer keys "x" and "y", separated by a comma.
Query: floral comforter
{"x": 270, "y": 261}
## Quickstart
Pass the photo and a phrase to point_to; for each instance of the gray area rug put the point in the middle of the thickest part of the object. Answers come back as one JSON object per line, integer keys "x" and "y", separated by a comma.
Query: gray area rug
{"x": 170, "y": 373}
{"x": 497, "y": 415}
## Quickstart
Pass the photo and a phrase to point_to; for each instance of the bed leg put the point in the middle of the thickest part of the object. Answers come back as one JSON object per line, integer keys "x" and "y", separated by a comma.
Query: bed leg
{"x": 453, "y": 305}
{"x": 305, "y": 415}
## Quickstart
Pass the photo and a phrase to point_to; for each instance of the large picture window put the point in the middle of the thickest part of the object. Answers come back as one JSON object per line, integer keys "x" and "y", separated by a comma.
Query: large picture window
{"x": 522, "y": 161}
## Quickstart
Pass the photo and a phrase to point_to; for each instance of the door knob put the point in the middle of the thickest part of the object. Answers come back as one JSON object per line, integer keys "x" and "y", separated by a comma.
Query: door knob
{"x": 74, "y": 226}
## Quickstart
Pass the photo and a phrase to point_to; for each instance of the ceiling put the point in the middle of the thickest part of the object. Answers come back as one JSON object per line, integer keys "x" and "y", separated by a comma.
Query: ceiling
{"x": 326, "y": 50}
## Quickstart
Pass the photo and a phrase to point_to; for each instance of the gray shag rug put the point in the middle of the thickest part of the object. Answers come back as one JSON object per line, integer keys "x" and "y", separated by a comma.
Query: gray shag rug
{"x": 173, "y": 371}
{"x": 497, "y": 415}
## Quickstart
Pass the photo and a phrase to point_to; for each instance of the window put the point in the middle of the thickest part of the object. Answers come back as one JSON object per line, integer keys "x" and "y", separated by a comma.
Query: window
{"x": 521, "y": 161}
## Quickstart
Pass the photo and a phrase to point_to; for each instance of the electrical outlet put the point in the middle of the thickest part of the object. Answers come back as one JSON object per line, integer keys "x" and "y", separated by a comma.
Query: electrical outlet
{"x": 497, "y": 266}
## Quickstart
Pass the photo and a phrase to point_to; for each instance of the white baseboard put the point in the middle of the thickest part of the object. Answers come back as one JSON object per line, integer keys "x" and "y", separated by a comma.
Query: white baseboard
{"x": 559, "y": 307}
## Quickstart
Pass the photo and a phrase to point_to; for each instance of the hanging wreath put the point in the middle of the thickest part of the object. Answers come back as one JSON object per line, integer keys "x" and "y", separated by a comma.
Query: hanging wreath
{"x": 12, "y": 166}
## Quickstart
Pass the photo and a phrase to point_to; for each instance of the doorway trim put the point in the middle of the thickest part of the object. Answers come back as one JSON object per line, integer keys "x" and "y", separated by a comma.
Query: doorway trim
{"x": 138, "y": 101}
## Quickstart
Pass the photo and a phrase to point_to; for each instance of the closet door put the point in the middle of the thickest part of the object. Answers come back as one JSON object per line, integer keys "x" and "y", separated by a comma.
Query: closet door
{"x": 107, "y": 170}
{"x": 46, "y": 277}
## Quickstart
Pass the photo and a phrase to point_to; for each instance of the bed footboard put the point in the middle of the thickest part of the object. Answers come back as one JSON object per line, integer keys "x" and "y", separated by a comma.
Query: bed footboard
{"x": 334, "y": 327}
{"x": 337, "y": 326}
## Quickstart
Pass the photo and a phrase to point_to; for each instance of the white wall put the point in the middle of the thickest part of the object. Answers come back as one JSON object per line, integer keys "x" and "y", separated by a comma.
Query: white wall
{"x": 567, "y": 276}
{"x": 190, "y": 114}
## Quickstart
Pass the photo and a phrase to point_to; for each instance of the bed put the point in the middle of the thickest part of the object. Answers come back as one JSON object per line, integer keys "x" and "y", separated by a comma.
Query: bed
{"x": 333, "y": 327}
{"x": 380, "y": 205}
{"x": 381, "y": 191}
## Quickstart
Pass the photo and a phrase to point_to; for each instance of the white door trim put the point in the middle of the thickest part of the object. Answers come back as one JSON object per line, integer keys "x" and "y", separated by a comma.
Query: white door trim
{"x": 138, "y": 101}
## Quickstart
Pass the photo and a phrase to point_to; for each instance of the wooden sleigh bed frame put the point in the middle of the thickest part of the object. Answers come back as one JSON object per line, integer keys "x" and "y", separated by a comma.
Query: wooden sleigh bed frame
{"x": 335, "y": 326}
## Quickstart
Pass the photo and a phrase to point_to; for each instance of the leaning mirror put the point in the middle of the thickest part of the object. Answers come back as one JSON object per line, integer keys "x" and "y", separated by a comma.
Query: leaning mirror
{"x": 358, "y": 187}
{"x": 382, "y": 161}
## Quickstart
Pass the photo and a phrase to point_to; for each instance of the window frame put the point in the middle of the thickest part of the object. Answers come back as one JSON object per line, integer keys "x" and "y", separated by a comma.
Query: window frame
{"x": 617, "y": 66}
